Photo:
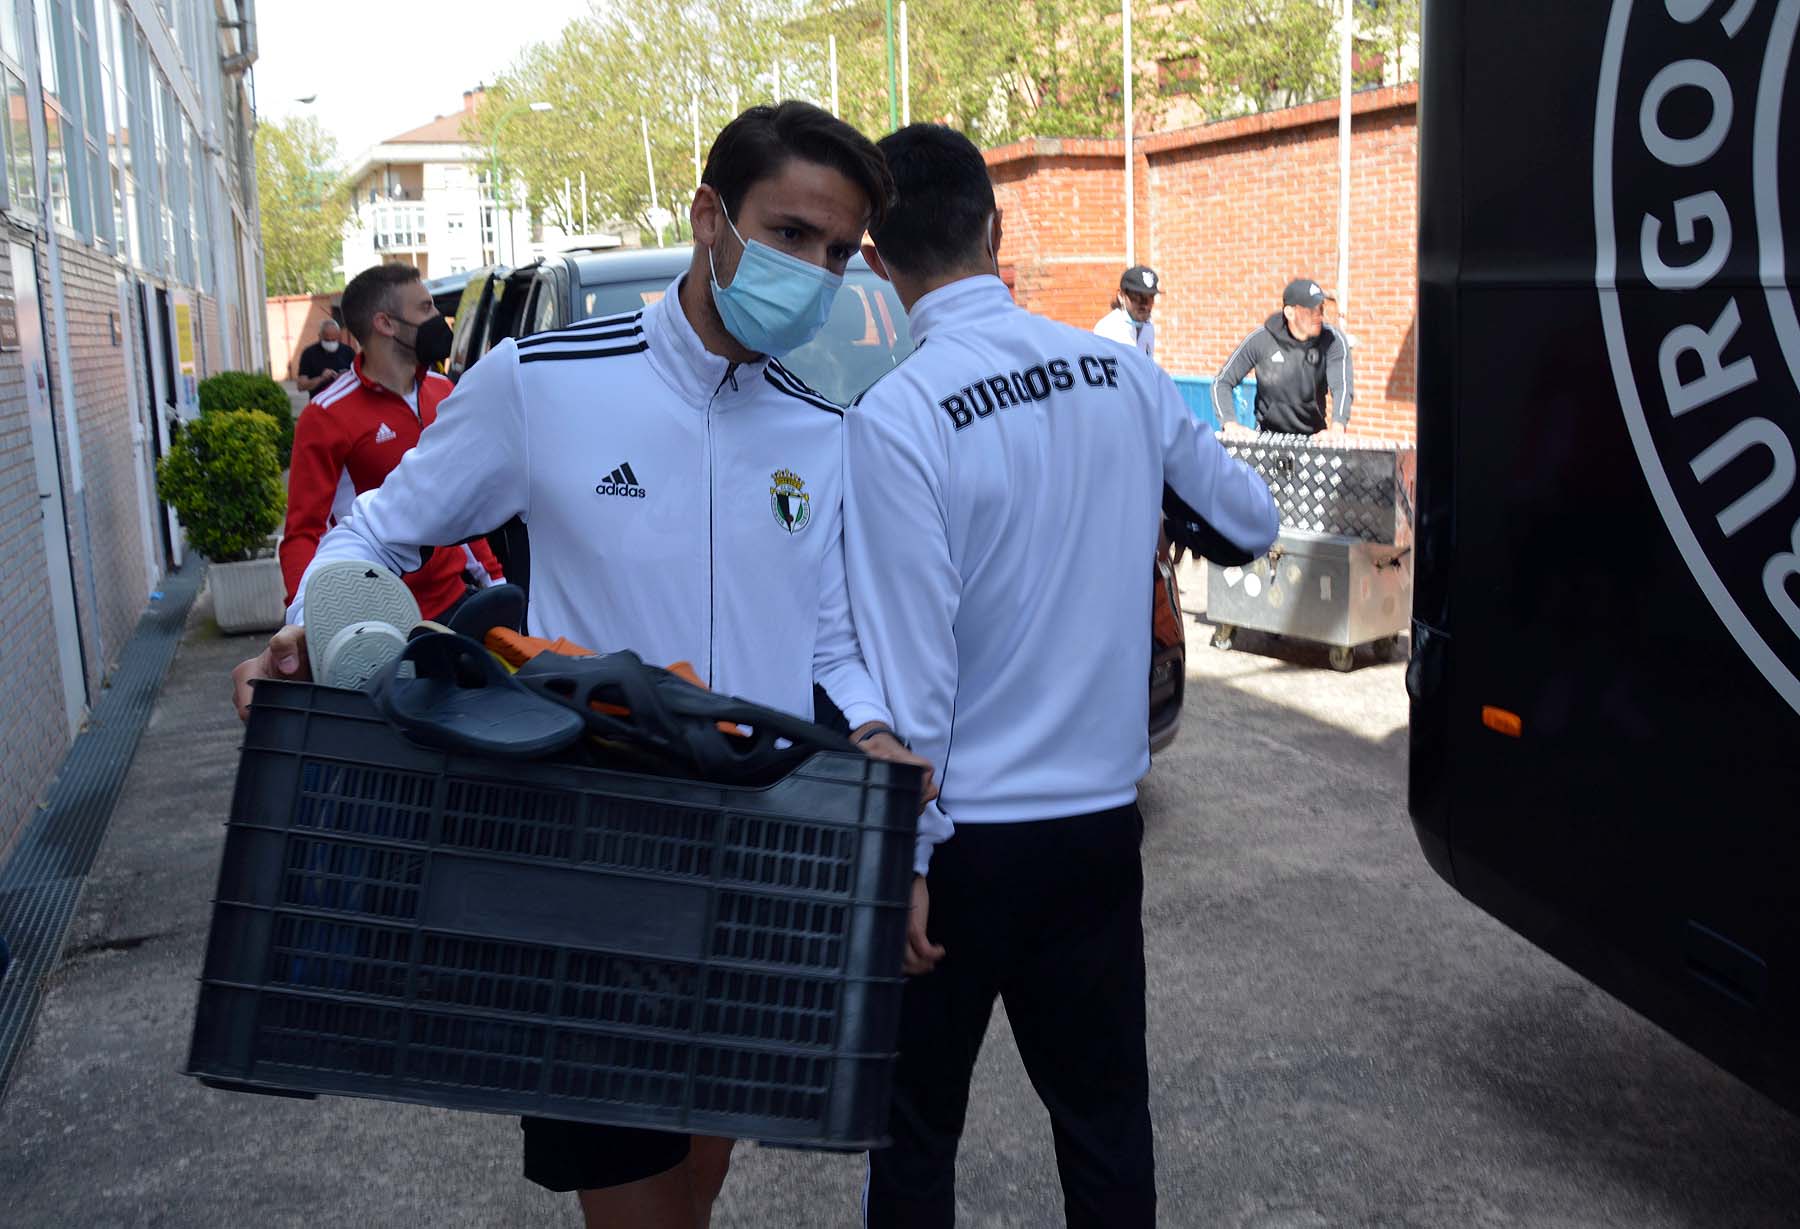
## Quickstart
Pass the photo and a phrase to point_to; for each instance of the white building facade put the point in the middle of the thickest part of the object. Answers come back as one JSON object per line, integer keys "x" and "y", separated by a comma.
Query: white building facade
{"x": 130, "y": 269}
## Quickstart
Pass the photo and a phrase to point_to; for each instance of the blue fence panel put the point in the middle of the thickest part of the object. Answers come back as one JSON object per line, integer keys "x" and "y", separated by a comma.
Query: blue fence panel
{"x": 1197, "y": 392}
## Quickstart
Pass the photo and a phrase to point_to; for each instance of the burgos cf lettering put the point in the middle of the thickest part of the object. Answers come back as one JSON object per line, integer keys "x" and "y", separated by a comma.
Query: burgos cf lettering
{"x": 1006, "y": 389}
{"x": 1692, "y": 180}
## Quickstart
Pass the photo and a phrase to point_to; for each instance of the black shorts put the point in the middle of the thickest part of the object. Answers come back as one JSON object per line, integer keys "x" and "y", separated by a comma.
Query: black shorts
{"x": 583, "y": 1156}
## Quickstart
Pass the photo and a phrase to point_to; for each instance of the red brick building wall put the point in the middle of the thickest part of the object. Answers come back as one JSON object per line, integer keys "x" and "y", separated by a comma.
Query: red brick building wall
{"x": 1227, "y": 214}
{"x": 293, "y": 325}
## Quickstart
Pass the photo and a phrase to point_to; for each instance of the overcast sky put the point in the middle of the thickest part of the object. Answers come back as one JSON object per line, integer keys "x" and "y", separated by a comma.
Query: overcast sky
{"x": 380, "y": 67}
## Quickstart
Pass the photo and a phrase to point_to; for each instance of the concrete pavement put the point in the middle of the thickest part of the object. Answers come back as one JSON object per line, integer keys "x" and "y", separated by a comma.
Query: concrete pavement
{"x": 1336, "y": 1037}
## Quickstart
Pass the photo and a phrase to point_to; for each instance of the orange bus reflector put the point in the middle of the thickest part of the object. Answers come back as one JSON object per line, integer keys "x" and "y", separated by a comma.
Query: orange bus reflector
{"x": 1501, "y": 721}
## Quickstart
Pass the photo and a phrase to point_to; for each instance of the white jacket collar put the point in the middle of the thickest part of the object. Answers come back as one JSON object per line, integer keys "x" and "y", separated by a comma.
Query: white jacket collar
{"x": 692, "y": 371}
{"x": 972, "y": 298}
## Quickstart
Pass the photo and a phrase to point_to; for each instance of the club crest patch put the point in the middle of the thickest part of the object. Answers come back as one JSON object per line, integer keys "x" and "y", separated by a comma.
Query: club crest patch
{"x": 789, "y": 501}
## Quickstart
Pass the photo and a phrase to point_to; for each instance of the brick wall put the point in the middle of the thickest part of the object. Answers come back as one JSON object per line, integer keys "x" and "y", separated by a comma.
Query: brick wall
{"x": 212, "y": 345}
{"x": 1227, "y": 214}
{"x": 293, "y": 324}
{"x": 33, "y": 732}
{"x": 110, "y": 583}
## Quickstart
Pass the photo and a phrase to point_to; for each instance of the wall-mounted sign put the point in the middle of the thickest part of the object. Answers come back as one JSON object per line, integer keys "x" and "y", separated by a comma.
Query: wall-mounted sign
{"x": 112, "y": 318}
{"x": 9, "y": 324}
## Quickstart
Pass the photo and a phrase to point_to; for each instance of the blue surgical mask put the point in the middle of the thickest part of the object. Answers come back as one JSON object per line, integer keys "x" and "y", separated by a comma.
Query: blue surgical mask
{"x": 776, "y": 302}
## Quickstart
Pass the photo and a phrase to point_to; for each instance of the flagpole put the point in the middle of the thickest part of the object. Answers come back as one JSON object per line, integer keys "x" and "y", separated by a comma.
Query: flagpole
{"x": 1343, "y": 276}
{"x": 905, "y": 69}
{"x": 834, "y": 76}
{"x": 650, "y": 167}
{"x": 1130, "y": 167}
{"x": 893, "y": 93}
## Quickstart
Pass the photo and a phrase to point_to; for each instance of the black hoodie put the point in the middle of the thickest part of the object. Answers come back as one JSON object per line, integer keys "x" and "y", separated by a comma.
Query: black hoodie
{"x": 1292, "y": 378}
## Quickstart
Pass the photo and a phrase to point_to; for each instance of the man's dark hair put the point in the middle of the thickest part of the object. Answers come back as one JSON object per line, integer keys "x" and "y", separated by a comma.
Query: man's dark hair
{"x": 758, "y": 143}
{"x": 372, "y": 291}
{"x": 942, "y": 200}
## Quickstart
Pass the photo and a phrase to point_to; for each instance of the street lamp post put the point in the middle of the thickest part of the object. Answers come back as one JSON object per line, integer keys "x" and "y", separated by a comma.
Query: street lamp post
{"x": 494, "y": 167}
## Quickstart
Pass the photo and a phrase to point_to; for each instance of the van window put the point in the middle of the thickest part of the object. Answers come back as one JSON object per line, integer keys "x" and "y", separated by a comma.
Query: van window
{"x": 617, "y": 298}
{"x": 546, "y": 299}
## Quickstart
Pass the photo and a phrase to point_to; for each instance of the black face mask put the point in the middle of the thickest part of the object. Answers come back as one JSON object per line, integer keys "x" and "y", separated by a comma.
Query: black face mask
{"x": 431, "y": 340}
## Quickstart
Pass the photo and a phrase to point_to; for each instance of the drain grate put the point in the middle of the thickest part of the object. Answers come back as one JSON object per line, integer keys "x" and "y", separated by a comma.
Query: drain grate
{"x": 41, "y": 883}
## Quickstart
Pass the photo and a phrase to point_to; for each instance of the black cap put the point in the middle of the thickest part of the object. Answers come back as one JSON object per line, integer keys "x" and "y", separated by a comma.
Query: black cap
{"x": 1303, "y": 292}
{"x": 1140, "y": 280}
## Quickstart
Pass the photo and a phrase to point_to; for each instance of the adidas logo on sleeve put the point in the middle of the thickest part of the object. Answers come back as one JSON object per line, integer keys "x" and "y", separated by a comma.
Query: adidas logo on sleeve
{"x": 621, "y": 482}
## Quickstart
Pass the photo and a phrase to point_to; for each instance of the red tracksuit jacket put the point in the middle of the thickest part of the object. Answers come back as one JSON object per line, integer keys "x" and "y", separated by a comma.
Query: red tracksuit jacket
{"x": 348, "y": 440}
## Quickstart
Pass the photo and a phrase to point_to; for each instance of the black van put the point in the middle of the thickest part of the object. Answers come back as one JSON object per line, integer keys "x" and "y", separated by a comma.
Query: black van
{"x": 1606, "y": 656}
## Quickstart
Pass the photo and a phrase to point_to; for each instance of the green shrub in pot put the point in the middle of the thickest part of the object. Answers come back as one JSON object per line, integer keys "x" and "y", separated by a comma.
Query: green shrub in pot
{"x": 222, "y": 476}
{"x": 251, "y": 390}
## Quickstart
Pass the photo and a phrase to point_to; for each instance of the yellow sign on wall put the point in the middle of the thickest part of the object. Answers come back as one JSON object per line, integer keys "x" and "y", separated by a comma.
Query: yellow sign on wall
{"x": 184, "y": 339}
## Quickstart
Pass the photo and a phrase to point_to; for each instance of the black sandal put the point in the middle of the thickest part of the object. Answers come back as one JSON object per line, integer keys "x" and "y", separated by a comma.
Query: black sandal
{"x": 672, "y": 717}
{"x": 461, "y": 699}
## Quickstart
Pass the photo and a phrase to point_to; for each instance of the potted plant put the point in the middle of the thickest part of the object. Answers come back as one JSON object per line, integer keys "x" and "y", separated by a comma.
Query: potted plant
{"x": 222, "y": 476}
{"x": 251, "y": 390}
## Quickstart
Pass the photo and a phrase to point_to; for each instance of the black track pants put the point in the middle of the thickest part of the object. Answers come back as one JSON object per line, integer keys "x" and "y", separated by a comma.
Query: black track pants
{"x": 1048, "y": 916}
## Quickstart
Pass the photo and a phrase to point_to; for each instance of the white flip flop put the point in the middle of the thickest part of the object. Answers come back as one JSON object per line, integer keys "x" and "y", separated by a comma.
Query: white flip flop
{"x": 358, "y": 654}
{"x": 349, "y": 592}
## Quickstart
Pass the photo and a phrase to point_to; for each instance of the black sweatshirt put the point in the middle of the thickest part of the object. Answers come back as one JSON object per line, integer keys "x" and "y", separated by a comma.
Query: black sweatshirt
{"x": 1291, "y": 378}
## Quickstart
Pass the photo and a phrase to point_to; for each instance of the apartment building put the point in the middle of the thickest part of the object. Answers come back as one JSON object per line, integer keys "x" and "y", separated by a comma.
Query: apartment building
{"x": 427, "y": 198}
{"x": 130, "y": 269}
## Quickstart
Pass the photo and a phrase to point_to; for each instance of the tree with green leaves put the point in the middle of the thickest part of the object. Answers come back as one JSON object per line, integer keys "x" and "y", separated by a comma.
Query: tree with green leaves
{"x": 997, "y": 71}
{"x": 608, "y": 73}
{"x": 304, "y": 206}
{"x": 1245, "y": 56}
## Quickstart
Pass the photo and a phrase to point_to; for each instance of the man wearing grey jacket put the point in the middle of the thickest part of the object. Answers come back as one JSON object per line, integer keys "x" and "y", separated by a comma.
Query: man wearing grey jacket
{"x": 1297, "y": 358}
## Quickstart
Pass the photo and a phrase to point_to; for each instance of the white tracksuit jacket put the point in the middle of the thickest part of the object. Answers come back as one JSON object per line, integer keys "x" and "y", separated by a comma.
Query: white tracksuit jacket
{"x": 1005, "y": 488}
{"x": 678, "y": 505}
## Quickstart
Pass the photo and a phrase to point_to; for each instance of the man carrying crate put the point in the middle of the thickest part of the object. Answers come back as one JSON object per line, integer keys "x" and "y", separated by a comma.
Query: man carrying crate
{"x": 683, "y": 495}
{"x": 1003, "y": 501}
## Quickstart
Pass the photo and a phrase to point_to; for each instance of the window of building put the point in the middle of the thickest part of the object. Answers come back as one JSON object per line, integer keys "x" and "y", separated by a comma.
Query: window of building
{"x": 172, "y": 11}
{"x": 20, "y": 189}
{"x": 96, "y": 85}
{"x": 63, "y": 155}
{"x": 165, "y": 176}
{"x": 399, "y": 226}
{"x": 113, "y": 31}
{"x": 74, "y": 117}
{"x": 172, "y": 155}
{"x": 138, "y": 147}
{"x": 197, "y": 227}
{"x": 9, "y": 32}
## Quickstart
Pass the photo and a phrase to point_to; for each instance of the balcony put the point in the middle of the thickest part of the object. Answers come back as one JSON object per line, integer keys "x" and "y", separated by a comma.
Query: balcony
{"x": 398, "y": 227}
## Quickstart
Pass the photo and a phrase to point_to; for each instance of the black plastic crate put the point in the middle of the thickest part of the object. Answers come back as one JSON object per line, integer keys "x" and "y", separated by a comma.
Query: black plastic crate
{"x": 545, "y": 938}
